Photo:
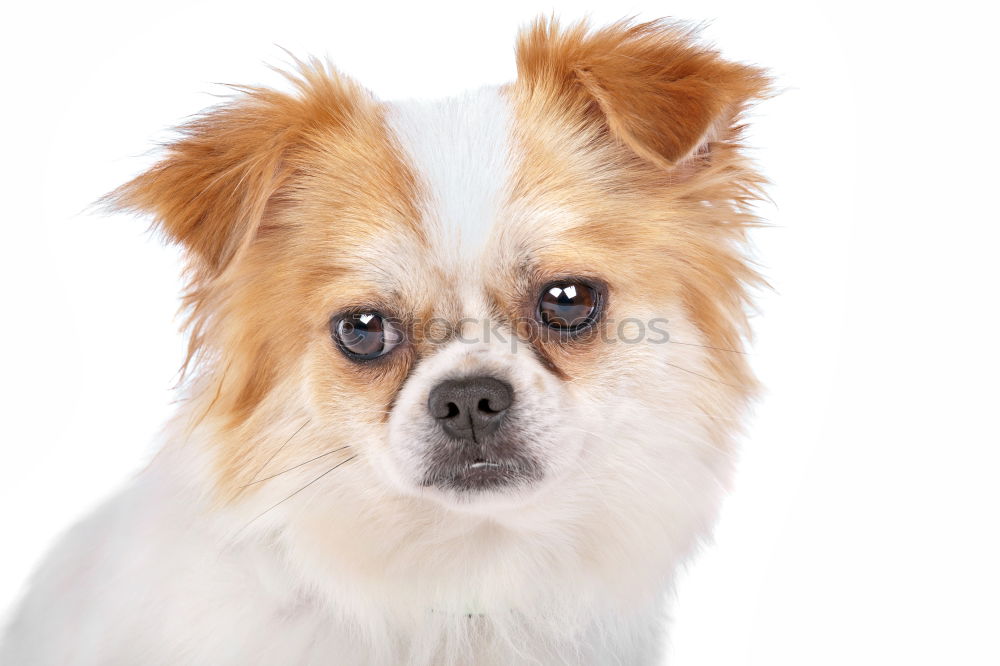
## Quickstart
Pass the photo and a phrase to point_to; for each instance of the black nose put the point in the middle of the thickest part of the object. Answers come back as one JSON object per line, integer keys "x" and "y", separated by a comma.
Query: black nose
{"x": 470, "y": 408}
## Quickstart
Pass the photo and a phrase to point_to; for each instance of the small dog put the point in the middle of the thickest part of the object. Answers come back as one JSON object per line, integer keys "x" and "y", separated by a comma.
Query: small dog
{"x": 464, "y": 376}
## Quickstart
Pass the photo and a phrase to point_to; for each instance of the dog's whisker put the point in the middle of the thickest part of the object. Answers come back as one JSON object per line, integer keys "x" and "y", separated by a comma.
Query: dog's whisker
{"x": 272, "y": 456}
{"x": 666, "y": 482}
{"x": 583, "y": 468}
{"x": 279, "y": 503}
{"x": 698, "y": 374}
{"x": 728, "y": 455}
{"x": 293, "y": 467}
{"x": 695, "y": 344}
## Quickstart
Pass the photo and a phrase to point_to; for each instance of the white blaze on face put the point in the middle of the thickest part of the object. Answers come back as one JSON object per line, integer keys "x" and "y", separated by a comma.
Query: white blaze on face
{"x": 460, "y": 149}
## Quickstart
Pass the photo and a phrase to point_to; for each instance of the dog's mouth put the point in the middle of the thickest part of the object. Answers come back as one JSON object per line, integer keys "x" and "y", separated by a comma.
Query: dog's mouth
{"x": 481, "y": 474}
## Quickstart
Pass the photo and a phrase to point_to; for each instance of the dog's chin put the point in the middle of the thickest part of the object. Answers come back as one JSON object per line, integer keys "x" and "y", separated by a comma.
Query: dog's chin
{"x": 478, "y": 485}
{"x": 493, "y": 503}
{"x": 474, "y": 473}
{"x": 482, "y": 476}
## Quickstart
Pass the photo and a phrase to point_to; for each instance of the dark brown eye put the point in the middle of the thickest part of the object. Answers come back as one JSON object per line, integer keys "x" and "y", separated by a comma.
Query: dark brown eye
{"x": 568, "y": 306}
{"x": 363, "y": 336}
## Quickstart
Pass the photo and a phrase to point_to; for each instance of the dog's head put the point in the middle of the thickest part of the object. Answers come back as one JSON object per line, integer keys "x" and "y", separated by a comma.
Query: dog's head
{"x": 527, "y": 287}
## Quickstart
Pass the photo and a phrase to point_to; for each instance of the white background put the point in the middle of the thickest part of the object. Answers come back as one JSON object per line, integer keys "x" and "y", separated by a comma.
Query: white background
{"x": 864, "y": 525}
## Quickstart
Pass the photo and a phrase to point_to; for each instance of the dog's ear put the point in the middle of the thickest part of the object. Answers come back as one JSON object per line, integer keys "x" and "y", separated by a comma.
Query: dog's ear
{"x": 651, "y": 84}
{"x": 217, "y": 182}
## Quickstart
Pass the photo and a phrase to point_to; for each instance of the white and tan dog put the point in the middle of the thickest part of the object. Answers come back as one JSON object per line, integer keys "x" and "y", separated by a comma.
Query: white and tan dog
{"x": 464, "y": 376}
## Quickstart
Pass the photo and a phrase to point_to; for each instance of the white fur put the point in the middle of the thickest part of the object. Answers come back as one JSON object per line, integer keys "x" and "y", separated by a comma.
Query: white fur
{"x": 461, "y": 148}
{"x": 362, "y": 567}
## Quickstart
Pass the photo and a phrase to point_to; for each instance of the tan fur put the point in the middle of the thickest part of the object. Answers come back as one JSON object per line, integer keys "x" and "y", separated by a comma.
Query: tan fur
{"x": 270, "y": 194}
{"x": 310, "y": 504}
{"x": 659, "y": 91}
{"x": 288, "y": 204}
{"x": 606, "y": 119}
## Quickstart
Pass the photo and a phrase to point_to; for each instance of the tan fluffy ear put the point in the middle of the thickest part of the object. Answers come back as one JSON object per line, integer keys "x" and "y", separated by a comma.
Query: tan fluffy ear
{"x": 212, "y": 189}
{"x": 653, "y": 86}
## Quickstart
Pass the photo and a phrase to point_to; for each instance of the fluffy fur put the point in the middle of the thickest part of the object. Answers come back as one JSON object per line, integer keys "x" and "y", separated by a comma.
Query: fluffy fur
{"x": 284, "y": 521}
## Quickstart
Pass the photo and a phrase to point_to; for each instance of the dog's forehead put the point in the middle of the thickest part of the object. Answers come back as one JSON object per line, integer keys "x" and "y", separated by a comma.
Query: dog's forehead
{"x": 462, "y": 156}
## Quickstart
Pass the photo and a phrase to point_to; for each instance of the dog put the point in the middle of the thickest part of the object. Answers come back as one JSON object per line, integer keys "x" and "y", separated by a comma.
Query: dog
{"x": 464, "y": 377}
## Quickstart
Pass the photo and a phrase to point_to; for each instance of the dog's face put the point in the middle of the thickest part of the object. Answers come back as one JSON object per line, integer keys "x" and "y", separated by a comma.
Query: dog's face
{"x": 477, "y": 299}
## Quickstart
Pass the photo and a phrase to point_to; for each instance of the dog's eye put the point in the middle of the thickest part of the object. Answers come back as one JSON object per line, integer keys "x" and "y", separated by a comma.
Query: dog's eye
{"x": 568, "y": 306}
{"x": 363, "y": 336}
